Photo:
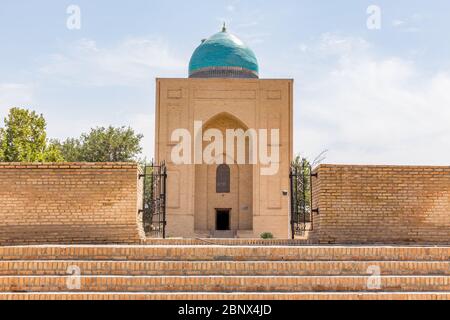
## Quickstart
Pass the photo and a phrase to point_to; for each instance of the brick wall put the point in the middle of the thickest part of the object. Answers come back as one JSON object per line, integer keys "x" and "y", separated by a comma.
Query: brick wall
{"x": 382, "y": 204}
{"x": 69, "y": 203}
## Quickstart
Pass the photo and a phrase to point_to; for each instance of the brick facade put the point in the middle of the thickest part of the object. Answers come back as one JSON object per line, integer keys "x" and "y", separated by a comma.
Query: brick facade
{"x": 99, "y": 203}
{"x": 382, "y": 204}
{"x": 69, "y": 203}
{"x": 256, "y": 202}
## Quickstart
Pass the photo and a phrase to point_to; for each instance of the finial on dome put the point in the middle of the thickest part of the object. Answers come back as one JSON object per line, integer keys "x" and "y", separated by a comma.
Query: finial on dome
{"x": 224, "y": 28}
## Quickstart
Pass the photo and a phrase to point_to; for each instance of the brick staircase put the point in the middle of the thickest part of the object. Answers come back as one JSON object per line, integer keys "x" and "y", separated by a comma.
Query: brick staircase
{"x": 234, "y": 272}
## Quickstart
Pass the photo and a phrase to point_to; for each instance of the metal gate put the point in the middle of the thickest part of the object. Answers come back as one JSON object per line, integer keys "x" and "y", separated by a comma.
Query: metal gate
{"x": 154, "y": 200}
{"x": 301, "y": 198}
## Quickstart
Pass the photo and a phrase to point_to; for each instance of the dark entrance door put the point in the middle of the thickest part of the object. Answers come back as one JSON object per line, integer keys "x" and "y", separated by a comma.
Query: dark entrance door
{"x": 222, "y": 219}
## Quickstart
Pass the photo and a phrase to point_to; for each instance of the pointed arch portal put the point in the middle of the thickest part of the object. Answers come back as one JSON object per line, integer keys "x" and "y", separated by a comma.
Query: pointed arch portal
{"x": 224, "y": 185}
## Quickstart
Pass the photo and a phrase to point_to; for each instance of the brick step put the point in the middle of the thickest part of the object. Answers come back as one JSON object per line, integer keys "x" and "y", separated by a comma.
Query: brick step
{"x": 225, "y": 242}
{"x": 225, "y": 253}
{"x": 277, "y": 268}
{"x": 228, "y": 296}
{"x": 224, "y": 284}
{"x": 13, "y": 236}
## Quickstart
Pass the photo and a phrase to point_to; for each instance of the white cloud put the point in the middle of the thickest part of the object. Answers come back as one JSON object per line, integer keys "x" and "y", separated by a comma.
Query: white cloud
{"x": 14, "y": 95}
{"x": 409, "y": 24}
{"x": 363, "y": 107}
{"x": 249, "y": 24}
{"x": 128, "y": 63}
{"x": 254, "y": 39}
{"x": 230, "y": 8}
{"x": 331, "y": 43}
{"x": 369, "y": 109}
{"x": 144, "y": 123}
{"x": 129, "y": 67}
{"x": 398, "y": 23}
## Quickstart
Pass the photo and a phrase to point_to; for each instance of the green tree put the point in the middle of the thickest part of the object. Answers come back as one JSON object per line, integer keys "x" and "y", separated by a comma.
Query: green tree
{"x": 70, "y": 149}
{"x": 103, "y": 145}
{"x": 148, "y": 195}
{"x": 24, "y": 138}
{"x": 302, "y": 168}
{"x": 2, "y": 156}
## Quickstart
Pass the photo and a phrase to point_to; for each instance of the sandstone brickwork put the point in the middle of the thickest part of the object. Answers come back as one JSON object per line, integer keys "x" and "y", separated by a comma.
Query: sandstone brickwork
{"x": 225, "y": 272}
{"x": 382, "y": 204}
{"x": 255, "y": 201}
{"x": 69, "y": 203}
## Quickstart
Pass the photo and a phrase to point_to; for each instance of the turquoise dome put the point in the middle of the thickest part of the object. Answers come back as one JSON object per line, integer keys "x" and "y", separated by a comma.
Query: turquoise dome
{"x": 223, "y": 56}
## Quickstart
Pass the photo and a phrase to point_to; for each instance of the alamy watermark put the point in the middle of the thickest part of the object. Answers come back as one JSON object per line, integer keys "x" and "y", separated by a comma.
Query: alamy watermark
{"x": 73, "y": 281}
{"x": 73, "y": 21}
{"x": 374, "y": 19}
{"x": 374, "y": 280}
{"x": 229, "y": 149}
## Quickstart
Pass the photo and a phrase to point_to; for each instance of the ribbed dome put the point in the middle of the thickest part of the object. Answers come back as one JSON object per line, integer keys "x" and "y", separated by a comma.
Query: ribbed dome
{"x": 223, "y": 56}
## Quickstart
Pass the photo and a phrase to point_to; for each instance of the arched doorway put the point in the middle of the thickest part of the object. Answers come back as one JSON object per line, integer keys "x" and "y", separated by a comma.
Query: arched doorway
{"x": 223, "y": 192}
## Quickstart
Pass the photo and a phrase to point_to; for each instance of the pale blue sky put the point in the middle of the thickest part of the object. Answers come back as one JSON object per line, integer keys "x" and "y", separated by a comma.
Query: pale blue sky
{"x": 369, "y": 96}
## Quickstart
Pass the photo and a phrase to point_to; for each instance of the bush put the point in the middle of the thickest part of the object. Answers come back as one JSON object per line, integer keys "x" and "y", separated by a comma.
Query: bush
{"x": 266, "y": 235}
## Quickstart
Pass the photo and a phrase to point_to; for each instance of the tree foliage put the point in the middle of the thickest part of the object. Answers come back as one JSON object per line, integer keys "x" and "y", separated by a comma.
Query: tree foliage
{"x": 302, "y": 190}
{"x": 24, "y": 138}
{"x": 70, "y": 149}
{"x": 103, "y": 145}
{"x": 302, "y": 168}
{"x": 148, "y": 195}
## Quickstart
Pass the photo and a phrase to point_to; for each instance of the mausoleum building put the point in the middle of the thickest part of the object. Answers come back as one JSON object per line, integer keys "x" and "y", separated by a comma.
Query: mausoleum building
{"x": 227, "y": 198}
